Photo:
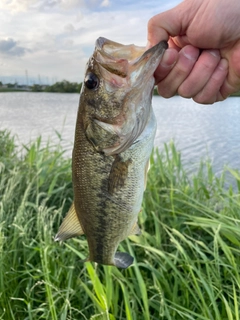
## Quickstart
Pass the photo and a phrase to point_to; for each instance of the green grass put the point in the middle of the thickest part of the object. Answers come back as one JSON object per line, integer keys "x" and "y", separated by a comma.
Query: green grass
{"x": 187, "y": 260}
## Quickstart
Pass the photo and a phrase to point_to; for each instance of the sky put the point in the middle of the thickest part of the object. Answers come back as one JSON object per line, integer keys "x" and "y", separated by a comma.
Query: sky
{"x": 44, "y": 41}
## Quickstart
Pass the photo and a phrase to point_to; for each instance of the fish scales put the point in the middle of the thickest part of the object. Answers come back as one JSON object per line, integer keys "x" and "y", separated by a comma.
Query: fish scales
{"x": 114, "y": 136}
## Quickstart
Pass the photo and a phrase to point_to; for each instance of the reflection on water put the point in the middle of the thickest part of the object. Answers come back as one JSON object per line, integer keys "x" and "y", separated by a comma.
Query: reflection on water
{"x": 31, "y": 114}
{"x": 201, "y": 131}
{"x": 198, "y": 131}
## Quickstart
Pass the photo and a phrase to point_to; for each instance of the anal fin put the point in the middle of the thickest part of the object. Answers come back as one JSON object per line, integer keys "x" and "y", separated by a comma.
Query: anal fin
{"x": 70, "y": 226}
{"x": 123, "y": 260}
{"x": 135, "y": 229}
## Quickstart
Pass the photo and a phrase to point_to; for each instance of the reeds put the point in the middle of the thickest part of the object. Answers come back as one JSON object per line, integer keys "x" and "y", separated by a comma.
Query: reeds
{"x": 187, "y": 260}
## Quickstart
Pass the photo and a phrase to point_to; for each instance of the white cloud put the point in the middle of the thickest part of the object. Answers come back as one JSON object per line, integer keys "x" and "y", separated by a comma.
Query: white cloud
{"x": 69, "y": 4}
{"x": 16, "y": 6}
{"x": 105, "y": 3}
{"x": 69, "y": 27}
{"x": 56, "y": 37}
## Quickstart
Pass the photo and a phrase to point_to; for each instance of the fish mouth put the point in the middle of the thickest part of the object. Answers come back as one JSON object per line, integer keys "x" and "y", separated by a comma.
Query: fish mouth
{"x": 126, "y": 71}
{"x": 128, "y": 61}
{"x": 115, "y": 50}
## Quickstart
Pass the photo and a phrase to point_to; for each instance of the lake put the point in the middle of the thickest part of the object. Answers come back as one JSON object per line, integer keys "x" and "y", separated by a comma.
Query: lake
{"x": 198, "y": 131}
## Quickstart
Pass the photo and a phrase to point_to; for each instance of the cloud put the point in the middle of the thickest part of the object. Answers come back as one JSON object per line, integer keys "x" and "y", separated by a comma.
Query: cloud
{"x": 10, "y": 47}
{"x": 24, "y": 5}
{"x": 16, "y": 6}
{"x": 55, "y": 38}
{"x": 69, "y": 27}
{"x": 105, "y": 3}
{"x": 70, "y": 4}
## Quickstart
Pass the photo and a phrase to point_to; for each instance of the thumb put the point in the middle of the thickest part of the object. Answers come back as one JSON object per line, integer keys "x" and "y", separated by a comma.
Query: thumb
{"x": 168, "y": 23}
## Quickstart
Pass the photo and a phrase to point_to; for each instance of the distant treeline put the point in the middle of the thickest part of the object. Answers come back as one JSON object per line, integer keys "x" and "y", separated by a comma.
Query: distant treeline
{"x": 61, "y": 87}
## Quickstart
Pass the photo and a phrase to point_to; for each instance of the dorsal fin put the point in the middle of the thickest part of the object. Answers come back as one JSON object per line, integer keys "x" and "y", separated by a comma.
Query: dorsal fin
{"x": 70, "y": 226}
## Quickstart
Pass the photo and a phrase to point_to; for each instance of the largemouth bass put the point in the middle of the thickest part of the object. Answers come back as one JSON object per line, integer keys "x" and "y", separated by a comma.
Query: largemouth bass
{"x": 114, "y": 137}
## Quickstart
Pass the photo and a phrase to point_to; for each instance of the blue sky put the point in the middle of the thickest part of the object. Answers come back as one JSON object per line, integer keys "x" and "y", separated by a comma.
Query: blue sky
{"x": 53, "y": 39}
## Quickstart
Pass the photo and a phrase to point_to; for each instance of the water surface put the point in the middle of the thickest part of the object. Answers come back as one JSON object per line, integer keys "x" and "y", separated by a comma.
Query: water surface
{"x": 199, "y": 131}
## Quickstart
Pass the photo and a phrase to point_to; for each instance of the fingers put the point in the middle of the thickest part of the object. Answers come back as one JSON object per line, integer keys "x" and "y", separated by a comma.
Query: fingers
{"x": 167, "y": 63}
{"x": 211, "y": 92}
{"x": 200, "y": 78}
{"x": 232, "y": 81}
{"x": 201, "y": 73}
{"x": 187, "y": 57}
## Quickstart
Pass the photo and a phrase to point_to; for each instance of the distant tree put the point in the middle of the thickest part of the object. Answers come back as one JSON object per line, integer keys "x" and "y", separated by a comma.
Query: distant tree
{"x": 10, "y": 85}
{"x": 1, "y": 84}
{"x": 64, "y": 86}
{"x": 37, "y": 88}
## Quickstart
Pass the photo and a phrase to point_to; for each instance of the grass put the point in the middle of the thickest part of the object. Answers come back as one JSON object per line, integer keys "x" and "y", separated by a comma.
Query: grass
{"x": 187, "y": 260}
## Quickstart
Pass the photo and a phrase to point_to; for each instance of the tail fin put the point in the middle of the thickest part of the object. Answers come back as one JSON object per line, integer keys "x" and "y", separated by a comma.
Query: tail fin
{"x": 122, "y": 260}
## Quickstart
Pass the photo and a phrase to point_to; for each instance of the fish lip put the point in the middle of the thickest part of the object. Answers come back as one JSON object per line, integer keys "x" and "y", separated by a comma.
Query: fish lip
{"x": 162, "y": 45}
{"x": 101, "y": 42}
{"x": 121, "y": 61}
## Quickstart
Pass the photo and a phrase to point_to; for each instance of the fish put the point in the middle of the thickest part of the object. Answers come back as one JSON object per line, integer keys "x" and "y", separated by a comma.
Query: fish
{"x": 114, "y": 137}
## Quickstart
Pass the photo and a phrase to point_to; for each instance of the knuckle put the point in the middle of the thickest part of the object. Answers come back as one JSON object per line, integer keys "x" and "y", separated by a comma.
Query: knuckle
{"x": 165, "y": 92}
{"x": 181, "y": 71}
{"x": 205, "y": 97}
{"x": 185, "y": 91}
{"x": 203, "y": 100}
{"x": 151, "y": 23}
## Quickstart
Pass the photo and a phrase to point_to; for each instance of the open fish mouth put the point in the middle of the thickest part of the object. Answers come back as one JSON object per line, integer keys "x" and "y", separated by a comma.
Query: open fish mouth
{"x": 128, "y": 69}
{"x": 130, "y": 61}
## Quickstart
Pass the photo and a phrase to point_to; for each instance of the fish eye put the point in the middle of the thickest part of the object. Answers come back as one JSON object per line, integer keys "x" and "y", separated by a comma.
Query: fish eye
{"x": 91, "y": 81}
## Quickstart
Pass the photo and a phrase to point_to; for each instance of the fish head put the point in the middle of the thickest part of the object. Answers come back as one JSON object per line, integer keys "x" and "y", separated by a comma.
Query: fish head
{"x": 116, "y": 95}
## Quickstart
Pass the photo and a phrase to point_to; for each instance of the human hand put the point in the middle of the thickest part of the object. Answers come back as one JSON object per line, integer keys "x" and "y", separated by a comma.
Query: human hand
{"x": 211, "y": 25}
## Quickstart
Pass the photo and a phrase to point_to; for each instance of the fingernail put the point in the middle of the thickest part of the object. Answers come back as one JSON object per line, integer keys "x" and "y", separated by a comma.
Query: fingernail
{"x": 223, "y": 65}
{"x": 165, "y": 62}
{"x": 190, "y": 52}
{"x": 215, "y": 53}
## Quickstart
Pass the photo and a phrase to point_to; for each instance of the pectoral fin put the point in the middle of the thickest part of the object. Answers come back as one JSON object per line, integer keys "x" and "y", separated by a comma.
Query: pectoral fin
{"x": 118, "y": 174}
{"x": 102, "y": 136}
{"x": 70, "y": 226}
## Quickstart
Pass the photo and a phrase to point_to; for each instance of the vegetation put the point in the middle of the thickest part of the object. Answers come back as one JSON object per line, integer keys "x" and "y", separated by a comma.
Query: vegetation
{"x": 60, "y": 87}
{"x": 64, "y": 86}
{"x": 236, "y": 94}
{"x": 187, "y": 260}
